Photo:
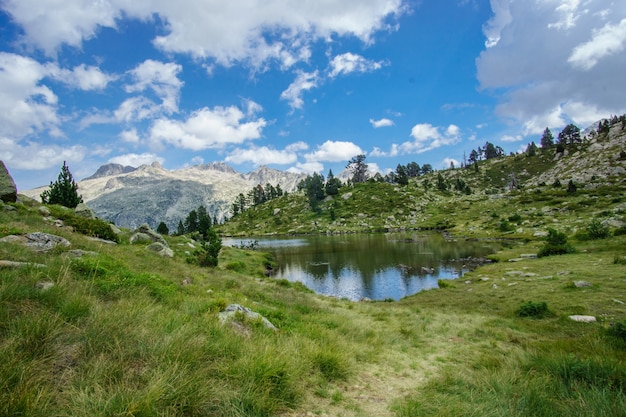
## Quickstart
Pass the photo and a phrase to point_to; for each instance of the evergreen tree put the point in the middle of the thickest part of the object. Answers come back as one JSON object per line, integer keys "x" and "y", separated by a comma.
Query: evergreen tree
{"x": 413, "y": 169}
{"x": 531, "y": 149}
{"x": 64, "y": 191}
{"x": 427, "y": 168}
{"x": 547, "y": 139}
{"x": 162, "y": 229}
{"x": 473, "y": 156}
{"x": 442, "y": 184}
{"x": 332, "y": 184}
{"x": 181, "y": 228}
{"x": 358, "y": 167}
{"x": 570, "y": 135}
{"x": 402, "y": 178}
{"x": 204, "y": 221}
{"x": 191, "y": 222}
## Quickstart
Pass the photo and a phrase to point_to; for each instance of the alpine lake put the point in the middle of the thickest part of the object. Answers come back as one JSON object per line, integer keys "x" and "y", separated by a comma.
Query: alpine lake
{"x": 386, "y": 266}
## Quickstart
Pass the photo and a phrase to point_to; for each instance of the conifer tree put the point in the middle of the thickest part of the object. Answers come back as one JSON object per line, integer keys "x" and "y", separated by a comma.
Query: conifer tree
{"x": 64, "y": 191}
{"x": 547, "y": 139}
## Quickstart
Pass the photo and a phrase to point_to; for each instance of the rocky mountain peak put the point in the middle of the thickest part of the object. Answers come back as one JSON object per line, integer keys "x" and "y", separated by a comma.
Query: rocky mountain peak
{"x": 108, "y": 170}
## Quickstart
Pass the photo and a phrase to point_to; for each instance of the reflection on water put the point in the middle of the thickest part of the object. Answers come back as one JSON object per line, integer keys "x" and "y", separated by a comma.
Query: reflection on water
{"x": 376, "y": 266}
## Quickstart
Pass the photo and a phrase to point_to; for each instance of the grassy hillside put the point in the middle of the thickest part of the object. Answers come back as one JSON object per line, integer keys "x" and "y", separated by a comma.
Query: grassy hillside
{"x": 124, "y": 332}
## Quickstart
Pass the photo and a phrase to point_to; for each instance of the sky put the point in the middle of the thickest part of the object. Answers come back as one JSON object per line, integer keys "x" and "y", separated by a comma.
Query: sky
{"x": 297, "y": 85}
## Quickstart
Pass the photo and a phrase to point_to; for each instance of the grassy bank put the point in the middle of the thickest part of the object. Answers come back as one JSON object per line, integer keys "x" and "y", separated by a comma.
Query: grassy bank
{"x": 125, "y": 332}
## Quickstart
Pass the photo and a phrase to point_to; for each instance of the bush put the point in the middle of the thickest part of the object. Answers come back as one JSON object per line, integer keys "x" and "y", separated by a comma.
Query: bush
{"x": 531, "y": 309}
{"x": 619, "y": 231}
{"x": 597, "y": 230}
{"x": 90, "y": 227}
{"x": 618, "y": 330}
{"x": 442, "y": 283}
{"x": 556, "y": 244}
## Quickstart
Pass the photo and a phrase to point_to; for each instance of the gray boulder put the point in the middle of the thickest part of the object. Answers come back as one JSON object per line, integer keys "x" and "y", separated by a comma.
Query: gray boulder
{"x": 161, "y": 249}
{"x": 83, "y": 210}
{"x": 8, "y": 190}
{"x": 145, "y": 234}
{"x": 232, "y": 310}
{"x": 39, "y": 241}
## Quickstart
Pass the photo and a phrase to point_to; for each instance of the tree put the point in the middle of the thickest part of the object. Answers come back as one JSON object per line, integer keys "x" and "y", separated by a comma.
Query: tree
{"x": 492, "y": 151}
{"x": 358, "y": 167}
{"x": 413, "y": 169}
{"x": 162, "y": 229}
{"x": 473, "y": 156}
{"x": 313, "y": 187}
{"x": 191, "y": 222}
{"x": 547, "y": 139}
{"x": 64, "y": 191}
{"x": 531, "y": 149}
{"x": 442, "y": 184}
{"x": 427, "y": 168}
{"x": 332, "y": 184}
{"x": 181, "y": 228}
{"x": 402, "y": 178}
{"x": 204, "y": 221}
{"x": 569, "y": 135}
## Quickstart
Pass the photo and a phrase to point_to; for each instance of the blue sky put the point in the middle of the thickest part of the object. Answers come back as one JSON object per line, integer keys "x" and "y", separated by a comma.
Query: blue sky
{"x": 295, "y": 85}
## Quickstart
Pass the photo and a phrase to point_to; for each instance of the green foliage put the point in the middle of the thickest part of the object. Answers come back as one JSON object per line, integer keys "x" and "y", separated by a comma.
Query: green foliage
{"x": 597, "y": 230}
{"x": 87, "y": 226}
{"x": 443, "y": 283}
{"x": 505, "y": 226}
{"x": 547, "y": 139}
{"x": 207, "y": 254}
{"x": 556, "y": 244}
{"x": 571, "y": 187}
{"x": 532, "y": 309}
{"x": 64, "y": 191}
{"x": 569, "y": 135}
{"x": 358, "y": 168}
{"x": 163, "y": 229}
{"x": 617, "y": 330}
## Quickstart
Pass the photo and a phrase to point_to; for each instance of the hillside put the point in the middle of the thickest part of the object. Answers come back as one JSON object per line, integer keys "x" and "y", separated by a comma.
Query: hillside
{"x": 597, "y": 168}
{"x": 150, "y": 194}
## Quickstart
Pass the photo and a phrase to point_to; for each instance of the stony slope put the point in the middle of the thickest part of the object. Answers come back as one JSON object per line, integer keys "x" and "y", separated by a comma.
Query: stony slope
{"x": 151, "y": 194}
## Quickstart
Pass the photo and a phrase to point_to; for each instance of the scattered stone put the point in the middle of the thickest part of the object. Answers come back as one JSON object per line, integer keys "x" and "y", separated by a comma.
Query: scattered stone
{"x": 516, "y": 259}
{"x": 366, "y": 299}
{"x": 276, "y": 211}
{"x": 44, "y": 211}
{"x": 485, "y": 278}
{"x": 528, "y": 255}
{"x": 161, "y": 249}
{"x": 516, "y": 273}
{"x": 140, "y": 238}
{"x": 7, "y": 207}
{"x": 583, "y": 319}
{"x": 582, "y": 284}
{"x": 468, "y": 282}
{"x": 564, "y": 272}
{"x": 99, "y": 240}
{"x": 44, "y": 285}
{"x": 615, "y": 300}
{"x": 144, "y": 234}
{"x": 495, "y": 287}
{"x": 540, "y": 234}
{"x": 513, "y": 283}
{"x": 8, "y": 190}
{"x": 426, "y": 270}
{"x": 186, "y": 281}
{"x": 346, "y": 196}
{"x": 232, "y": 310}
{"x": 13, "y": 264}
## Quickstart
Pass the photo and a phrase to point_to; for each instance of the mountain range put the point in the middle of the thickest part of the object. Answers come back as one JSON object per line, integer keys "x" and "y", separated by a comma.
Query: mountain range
{"x": 151, "y": 194}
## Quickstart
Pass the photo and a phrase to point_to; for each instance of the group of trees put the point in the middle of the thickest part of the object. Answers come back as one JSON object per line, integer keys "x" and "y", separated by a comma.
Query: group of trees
{"x": 257, "y": 195}
{"x": 488, "y": 151}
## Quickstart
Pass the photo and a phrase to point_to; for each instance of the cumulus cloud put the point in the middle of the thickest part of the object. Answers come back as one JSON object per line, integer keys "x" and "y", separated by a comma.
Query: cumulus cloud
{"x": 82, "y": 77}
{"x": 554, "y": 62}
{"x": 381, "y": 123}
{"x": 135, "y": 160}
{"x": 347, "y": 63}
{"x": 449, "y": 162}
{"x": 303, "y": 82}
{"x": 130, "y": 136}
{"x": 207, "y": 128}
{"x": 334, "y": 151}
{"x": 263, "y": 155}
{"x": 34, "y": 156}
{"x": 223, "y": 31}
{"x": 308, "y": 167}
{"x": 161, "y": 78}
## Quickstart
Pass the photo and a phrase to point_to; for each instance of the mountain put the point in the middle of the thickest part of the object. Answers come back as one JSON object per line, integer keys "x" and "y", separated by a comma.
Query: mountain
{"x": 150, "y": 194}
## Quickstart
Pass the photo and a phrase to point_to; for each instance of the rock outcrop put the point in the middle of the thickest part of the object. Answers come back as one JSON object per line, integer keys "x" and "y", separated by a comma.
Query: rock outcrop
{"x": 8, "y": 190}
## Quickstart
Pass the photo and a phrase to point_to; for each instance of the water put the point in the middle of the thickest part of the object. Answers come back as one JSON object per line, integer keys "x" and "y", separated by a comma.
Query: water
{"x": 374, "y": 266}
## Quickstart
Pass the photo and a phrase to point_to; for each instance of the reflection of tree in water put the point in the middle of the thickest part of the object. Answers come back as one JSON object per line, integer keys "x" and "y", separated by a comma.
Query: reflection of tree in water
{"x": 370, "y": 258}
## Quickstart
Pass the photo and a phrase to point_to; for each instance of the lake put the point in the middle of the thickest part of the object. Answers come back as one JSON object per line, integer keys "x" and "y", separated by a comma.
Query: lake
{"x": 374, "y": 266}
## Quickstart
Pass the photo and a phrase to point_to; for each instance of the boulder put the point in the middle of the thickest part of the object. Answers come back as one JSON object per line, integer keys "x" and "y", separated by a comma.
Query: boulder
{"x": 232, "y": 310}
{"x": 582, "y": 284}
{"x": 583, "y": 319}
{"x": 145, "y": 234}
{"x": 39, "y": 241}
{"x": 8, "y": 190}
{"x": 161, "y": 249}
{"x": 83, "y": 210}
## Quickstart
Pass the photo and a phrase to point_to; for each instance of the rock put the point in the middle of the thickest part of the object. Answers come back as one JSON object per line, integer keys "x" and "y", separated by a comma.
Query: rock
{"x": 186, "y": 281}
{"x": 161, "y": 249}
{"x": 44, "y": 211}
{"x": 83, "y": 210}
{"x": 147, "y": 235}
{"x": 276, "y": 211}
{"x": 426, "y": 270}
{"x": 41, "y": 242}
{"x": 583, "y": 319}
{"x": 233, "y": 309}
{"x": 528, "y": 255}
{"x": 140, "y": 238}
{"x": 615, "y": 300}
{"x": 346, "y": 196}
{"x": 79, "y": 253}
{"x": 99, "y": 240}
{"x": 8, "y": 190}
{"x": 44, "y": 285}
{"x": 582, "y": 284}
{"x": 13, "y": 264}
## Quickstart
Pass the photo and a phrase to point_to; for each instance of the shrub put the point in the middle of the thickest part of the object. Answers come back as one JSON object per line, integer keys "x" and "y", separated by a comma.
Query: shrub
{"x": 556, "y": 244}
{"x": 618, "y": 330}
{"x": 532, "y": 309}
{"x": 442, "y": 283}
{"x": 515, "y": 218}
{"x": 597, "y": 230}
{"x": 505, "y": 226}
{"x": 619, "y": 231}
{"x": 90, "y": 227}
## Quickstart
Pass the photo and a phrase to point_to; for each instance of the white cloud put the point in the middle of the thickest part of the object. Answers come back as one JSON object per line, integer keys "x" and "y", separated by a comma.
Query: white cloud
{"x": 381, "y": 123}
{"x": 83, "y": 77}
{"x": 511, "y": 138}
{"x": 308, "y": 167}
{"x": 427, "y": 137}
{"x": 161, "y": 78}
{"x": 303, "y": 82}
{"x": 607, "y": 41}
{"x": 130, "y": 136}
{"x": 26, "y": 105}
{"x": 347, "y": 63}
{"x": 553, "y": 58}
{"x": 334, "y": 151}
{"x": 262, "y": 155}
{"x": 207, "y": 128}
{"x": 224, "y": 31}
{"x": 135, "y": 160}
{"x": 35, "y": 156}
{"x": 449, "y": 162}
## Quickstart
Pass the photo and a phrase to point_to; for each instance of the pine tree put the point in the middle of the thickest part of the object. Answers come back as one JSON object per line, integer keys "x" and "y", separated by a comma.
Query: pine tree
{"x": 64, "y": 191}
{"x": 547, "y": 139}
{"x": 402, "y": 178}
{"x": 163, "y": 229}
